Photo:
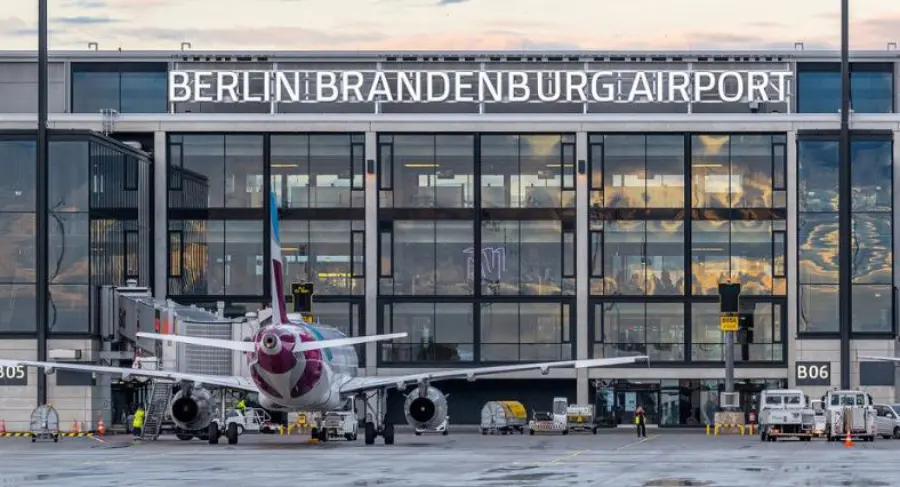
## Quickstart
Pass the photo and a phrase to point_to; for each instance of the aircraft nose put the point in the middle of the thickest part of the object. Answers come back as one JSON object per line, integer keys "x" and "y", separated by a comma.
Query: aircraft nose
{"x": 270, "y": 342}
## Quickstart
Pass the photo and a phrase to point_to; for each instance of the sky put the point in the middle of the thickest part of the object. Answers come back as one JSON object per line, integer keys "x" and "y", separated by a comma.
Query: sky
{"x": 418, "y": 25}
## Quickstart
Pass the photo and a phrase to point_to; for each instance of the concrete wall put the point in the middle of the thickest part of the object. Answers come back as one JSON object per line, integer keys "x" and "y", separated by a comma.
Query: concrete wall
{"x": 73, "y": 403}
{"x": 17, "y": 402}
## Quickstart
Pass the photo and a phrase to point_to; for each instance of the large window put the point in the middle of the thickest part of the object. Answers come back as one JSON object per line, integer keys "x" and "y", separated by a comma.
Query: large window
{"x": 872, "y": 236}
{"x": 527, "y": 257}
{"x": 421, "y": 257}
{"x": 17, "y": 237}
{"x": 637, "y": 257}
{"x": 427, "y": 171}
{"x": 738, "y": 171}
{"x": 871, "y": 87}
{"x": 623, "y": 329}
{"x": 123, "y": 87}
{"x": 672, "y": 216}
{"x": 318, "y": 171}
{"x": 527, "y": 171}
{"x": 436, "y": 332}
{"x": 329, "y": 253}
{"x": 216, "y": 257}
{"x": 215, "y": 171}
{"x": 765, "y": 340}
{"x": 514, "y": 332}
{"x": 638, "y": 171}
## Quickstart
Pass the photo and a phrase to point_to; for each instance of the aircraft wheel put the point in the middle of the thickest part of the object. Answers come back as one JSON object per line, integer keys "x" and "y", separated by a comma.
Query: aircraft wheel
{"x": 445, "y": 432}
{"x": 388, "y": 434}
{"x": 213, "y": 434}
{"x": 370, "y": 433}
{"x": 232, "y": 433}
{"x": 897, "y": 433}
{"x": 418, "y": 433}
{"x": 323, "y": 435}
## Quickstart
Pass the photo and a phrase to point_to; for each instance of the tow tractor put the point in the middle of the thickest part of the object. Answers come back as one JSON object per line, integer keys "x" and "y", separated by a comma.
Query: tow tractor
{"x": 850, "y": 412}
{"x": 340, "y": 423}
{"x": 551, "y": 421}
{"x": 784, "y": 413}
{"x": 250, "y": 420}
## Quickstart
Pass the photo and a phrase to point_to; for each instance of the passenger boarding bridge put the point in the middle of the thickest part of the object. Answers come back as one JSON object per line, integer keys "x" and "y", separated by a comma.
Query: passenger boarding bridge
{"x": 125, "y": 311}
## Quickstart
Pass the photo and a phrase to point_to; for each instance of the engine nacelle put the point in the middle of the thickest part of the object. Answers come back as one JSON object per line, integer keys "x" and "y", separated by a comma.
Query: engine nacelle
{"x": 194, "y": 412}
{"x": 425, "y": 411}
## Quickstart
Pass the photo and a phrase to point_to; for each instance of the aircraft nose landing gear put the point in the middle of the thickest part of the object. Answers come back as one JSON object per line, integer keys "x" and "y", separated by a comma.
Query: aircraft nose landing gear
{"x": 379, "y": 427}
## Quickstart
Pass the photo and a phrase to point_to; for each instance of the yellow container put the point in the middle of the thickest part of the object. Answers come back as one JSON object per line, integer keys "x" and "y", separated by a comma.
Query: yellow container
{"x": 515, "y": 409}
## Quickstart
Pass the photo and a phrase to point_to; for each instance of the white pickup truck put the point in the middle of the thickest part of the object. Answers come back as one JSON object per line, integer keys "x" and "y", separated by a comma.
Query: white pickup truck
{"x": 785, "y": 413}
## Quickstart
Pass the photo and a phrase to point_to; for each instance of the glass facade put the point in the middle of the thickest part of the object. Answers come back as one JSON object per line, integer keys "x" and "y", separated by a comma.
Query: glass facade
{"x": 471, "y": 224}
{"x": 123, "y": 87}
{"x": 218, "y": 234}
{"x": 98, "y": 234}
{"x": 818, "y": 231}
{"x": 672, "y": 216}
{"x": 819, "y": 87}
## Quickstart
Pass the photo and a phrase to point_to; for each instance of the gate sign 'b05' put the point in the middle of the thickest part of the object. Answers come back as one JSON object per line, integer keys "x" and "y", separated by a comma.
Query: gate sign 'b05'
{"x": 813, "y": 374}
{"x": 13, "y": 375}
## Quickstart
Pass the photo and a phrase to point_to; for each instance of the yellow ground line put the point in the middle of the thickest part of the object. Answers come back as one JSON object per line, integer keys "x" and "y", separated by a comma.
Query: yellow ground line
{"x": 651, "y": 437}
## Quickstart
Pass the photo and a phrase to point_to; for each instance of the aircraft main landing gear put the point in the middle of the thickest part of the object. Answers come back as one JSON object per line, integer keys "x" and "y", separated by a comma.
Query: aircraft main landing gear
{"x": 379, "y": 427}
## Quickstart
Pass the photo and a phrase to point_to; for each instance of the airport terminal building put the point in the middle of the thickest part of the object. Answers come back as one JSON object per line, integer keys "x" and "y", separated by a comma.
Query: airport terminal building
{"x": 520, "y": 228}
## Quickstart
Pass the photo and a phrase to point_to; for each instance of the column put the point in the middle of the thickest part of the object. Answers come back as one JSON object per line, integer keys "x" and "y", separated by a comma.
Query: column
{"x": 581, "y": 260}
{"x": 371, "y": 308}
{"x": 792, "y": 269}
{"x": 160, "y": 216}
{"x": 895, "y": 197}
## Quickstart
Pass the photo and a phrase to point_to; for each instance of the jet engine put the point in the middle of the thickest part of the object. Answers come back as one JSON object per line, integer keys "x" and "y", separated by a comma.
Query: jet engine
{"x": 193, "y": 410}
{"x": 425, "y": 408}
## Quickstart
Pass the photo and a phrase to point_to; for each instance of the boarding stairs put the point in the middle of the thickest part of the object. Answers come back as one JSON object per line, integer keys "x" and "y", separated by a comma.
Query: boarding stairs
{"x": 155, "y": 414}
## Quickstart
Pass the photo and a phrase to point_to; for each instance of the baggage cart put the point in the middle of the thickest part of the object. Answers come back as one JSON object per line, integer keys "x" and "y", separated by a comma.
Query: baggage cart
{"x": 44, "y": 424}
{"x": 503, "y": 417}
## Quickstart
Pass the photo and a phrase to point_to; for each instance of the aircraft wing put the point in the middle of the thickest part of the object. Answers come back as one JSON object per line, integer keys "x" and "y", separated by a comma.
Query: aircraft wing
{"x": 361, "y": 384}
{"x": 211, "y": 380}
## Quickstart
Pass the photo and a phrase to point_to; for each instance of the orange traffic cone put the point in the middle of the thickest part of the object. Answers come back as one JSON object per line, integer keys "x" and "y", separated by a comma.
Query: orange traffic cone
{"x": 848, "y": 441}
{"x": 101, "y": 428}
{"x": 2, "y": 426}
{"x": 76, "y": 427}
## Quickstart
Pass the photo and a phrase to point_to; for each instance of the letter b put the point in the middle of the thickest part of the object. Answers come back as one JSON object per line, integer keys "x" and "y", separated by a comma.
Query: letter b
{"x": 801, "y": 372}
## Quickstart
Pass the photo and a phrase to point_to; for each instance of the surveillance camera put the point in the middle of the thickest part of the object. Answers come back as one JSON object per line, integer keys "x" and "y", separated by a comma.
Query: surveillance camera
{"x": 754, "y": 107}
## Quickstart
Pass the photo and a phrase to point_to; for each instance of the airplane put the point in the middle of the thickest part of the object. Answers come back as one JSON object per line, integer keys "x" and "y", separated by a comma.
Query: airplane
{"x": 299, "y": 366}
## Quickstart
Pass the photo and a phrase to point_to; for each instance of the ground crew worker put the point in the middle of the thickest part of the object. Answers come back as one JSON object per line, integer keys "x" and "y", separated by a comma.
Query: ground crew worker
{"x": 640, "y": 421}
{"x": 241, "y": 405}
{"x": 137, "y": 424}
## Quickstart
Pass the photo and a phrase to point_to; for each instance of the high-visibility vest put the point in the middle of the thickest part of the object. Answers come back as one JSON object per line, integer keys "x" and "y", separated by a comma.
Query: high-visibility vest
{"x": 138, "y": 421}
{"x": 241, "y": 404}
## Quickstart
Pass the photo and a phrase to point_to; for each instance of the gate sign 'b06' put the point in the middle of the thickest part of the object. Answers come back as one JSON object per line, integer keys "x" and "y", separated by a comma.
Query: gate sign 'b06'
{"x": 813, "y": 374}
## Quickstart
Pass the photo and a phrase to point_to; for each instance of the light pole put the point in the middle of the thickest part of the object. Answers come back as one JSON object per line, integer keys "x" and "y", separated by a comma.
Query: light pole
{"x": 844, "y": 199}
{"x": 41, "y": 216}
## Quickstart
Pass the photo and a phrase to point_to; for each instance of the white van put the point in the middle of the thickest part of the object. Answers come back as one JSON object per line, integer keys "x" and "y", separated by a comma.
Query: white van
{"x": 887, "y": 420}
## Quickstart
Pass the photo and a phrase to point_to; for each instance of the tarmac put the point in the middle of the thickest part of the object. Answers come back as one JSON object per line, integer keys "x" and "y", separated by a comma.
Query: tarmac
{"x": 463, "y": 458}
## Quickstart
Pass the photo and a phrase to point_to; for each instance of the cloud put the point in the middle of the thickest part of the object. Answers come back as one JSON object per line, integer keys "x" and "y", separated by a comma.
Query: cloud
{"x": 264, "y": 37}
{"x": 85, "y": 4}
{"x": 450, "y": 2}
{"x": 84, "y": 20}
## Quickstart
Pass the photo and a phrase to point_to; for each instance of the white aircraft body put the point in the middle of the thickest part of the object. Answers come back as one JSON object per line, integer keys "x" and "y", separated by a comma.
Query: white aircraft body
{"x": 297, "y": 366}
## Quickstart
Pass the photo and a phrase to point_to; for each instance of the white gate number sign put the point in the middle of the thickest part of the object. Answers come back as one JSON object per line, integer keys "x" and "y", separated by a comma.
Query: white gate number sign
{"x": 812, "y": 371}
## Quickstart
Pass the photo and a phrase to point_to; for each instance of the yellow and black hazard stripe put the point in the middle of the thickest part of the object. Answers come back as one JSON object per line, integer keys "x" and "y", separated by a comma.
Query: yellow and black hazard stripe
{"x": 76, "y": 435}
{"x": 15, "y": 435}
{"x": 61, "y": 435}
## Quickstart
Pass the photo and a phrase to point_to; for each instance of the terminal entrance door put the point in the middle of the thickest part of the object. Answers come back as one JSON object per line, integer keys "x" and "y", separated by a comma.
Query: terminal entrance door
{"x": 631, "y": 395}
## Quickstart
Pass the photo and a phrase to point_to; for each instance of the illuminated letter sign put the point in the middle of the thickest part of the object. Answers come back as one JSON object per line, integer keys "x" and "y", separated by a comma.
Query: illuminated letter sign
{"x": 264, "y": 86}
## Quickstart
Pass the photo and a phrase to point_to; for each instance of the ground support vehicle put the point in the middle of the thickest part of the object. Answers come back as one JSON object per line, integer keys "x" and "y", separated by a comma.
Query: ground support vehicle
{"x": 849, "y": 411}
{"x": 342, "y": 423}
{"x": 443, "y": 428}
{"x": 818, "y": 407}
{"x": 581, "y": 418}
{"x": 784, "y": 413}
{"x": 887, "y": 420}
{"x": 503, "y": 417}
{"x": 557, "y": 420}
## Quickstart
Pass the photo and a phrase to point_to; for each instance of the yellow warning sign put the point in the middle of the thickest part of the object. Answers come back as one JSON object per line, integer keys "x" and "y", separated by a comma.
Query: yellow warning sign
{"x": 728, "y": 322}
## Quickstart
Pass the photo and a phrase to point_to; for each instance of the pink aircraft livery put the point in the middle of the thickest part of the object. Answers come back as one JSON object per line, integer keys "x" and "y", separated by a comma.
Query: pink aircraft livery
{"x": 298, "y": 366}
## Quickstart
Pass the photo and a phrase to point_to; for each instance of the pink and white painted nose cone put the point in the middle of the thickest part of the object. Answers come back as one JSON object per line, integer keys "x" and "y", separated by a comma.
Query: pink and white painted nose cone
{"x": 270, "y": 344}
